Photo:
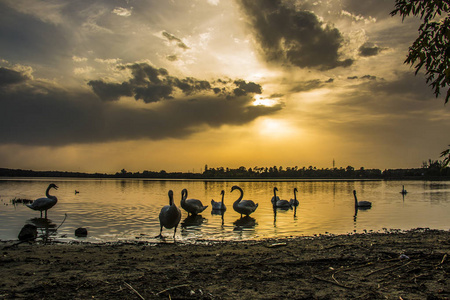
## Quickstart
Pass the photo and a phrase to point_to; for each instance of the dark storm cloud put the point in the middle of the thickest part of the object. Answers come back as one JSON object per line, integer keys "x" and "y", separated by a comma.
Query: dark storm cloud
{"x": 8, "y": 77}
{"x": 172, "y": 38}
{"x": 25, "y": 38}
{"x": 287, "y": 35}
{"x": 37, "y": 113}
{"x": 368, "y": 50}
{"x": 151, "y": 84}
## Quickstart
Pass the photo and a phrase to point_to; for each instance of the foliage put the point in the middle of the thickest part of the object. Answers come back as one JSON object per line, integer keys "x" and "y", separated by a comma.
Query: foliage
{"x": 432, "y": 48}
{"x": 446, "y": 155}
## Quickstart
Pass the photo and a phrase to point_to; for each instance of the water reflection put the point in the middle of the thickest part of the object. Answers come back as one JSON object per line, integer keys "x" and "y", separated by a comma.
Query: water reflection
{"x": 192, "y": 220}
{"x": 244, "y": 223}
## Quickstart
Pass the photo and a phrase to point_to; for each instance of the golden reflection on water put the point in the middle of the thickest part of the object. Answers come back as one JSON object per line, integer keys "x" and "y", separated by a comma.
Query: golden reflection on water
{"x": 129, "y": 208}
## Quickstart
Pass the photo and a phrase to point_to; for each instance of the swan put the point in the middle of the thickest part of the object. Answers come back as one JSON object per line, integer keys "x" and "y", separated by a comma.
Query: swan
{"x": 219, "y": 205}
{"x": 363, "y": 204}
{"x": 244, "y": 207}
{"x": 294, "y": 202}
{"x": 276, "y": 202}
{"x": 192, "y": 206}
{"x": 403, "y": 192}
{"x": 44, "y": 204}
{"x": 169, "y": 216}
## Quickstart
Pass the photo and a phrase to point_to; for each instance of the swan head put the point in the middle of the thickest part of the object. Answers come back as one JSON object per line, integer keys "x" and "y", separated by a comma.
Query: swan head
{"x": 170, "y": 194}
{"x": 222, "y": 192}
{"x": 354, "y": 192}
{"x": 295, "y": 190}
{"x": 234, "y": 187}
{"x": 184, "y": 193}
{"x": 275, "y": 189}
{"x": 52, "y": 185}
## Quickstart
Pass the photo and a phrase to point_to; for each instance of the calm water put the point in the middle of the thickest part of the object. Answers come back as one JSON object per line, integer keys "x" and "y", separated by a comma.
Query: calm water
{"x": 115, "y": 210}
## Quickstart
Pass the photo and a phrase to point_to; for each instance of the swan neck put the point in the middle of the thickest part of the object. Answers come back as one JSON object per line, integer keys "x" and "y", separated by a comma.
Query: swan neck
{"x": 47, "y": 193}
{"x": 240, "y": 197}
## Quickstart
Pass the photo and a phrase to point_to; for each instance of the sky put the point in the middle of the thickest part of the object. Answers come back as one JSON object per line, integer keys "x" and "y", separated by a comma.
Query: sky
{"x": 106, "y": 85}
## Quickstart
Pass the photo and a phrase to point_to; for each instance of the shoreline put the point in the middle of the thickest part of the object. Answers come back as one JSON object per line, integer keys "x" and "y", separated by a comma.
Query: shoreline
{"x": 394, "y": 265}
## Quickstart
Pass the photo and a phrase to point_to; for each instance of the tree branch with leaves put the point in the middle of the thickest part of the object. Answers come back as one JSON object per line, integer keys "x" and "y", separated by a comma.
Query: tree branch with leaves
{"x": 431, "y": 50}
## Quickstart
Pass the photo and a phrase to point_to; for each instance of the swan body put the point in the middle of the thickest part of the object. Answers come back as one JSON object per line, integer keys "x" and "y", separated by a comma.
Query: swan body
{"x": 277, "y": 202}
{"x": 44, "y": 204}
{"x": 294, "y": 202}
{"x": 192, "y": 206}
{"x": 365, "y": 204}
{"x": 219, "y": 205}
{"x": 170, "y": 216}
{"x": 244, "y": 207}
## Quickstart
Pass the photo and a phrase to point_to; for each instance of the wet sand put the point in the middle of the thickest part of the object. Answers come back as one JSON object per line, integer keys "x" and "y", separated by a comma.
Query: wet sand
{"x": 408, "y": 265}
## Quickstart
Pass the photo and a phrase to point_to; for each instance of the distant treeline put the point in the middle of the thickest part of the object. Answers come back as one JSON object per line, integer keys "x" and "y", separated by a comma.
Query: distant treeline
{"x": 428, "y": 171}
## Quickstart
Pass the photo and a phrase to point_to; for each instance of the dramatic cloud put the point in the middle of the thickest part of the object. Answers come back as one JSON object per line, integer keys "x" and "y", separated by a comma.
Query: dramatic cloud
{"x": 369, "y": 50}
{"x": 299, "y": 38}
{"x": 41, "y": 114}
{"x": 152, "y": 85}
{"x": 8, "y": 77}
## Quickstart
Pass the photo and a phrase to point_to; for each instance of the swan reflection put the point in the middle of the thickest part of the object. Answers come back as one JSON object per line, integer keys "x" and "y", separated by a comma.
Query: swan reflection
{"x": 192, "y": 220}
{"x": 244, "y": 222}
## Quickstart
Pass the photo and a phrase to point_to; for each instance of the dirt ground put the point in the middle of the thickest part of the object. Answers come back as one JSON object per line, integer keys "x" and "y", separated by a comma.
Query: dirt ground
{"x": 411, "y": 265}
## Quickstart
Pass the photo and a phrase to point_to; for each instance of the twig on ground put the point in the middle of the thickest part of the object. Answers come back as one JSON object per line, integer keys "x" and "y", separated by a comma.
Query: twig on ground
{"x": 332, "y": 282}
{"x": 171, "y": 288}
{"x": 400, "y": 264}
{"x": 131, "y": 288}
{"x": 442, "y": 261}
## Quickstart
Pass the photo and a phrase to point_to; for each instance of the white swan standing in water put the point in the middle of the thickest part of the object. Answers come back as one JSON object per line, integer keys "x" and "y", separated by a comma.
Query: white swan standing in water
{"x": 276, "y": 202}
{"x": 244, "y": 207}
{"x": 294, "y": 202}
{"x": 361, "y": 204}
{"x": 169, "y": 216}
{"x": 219, "y": 205}
{"x": 44, "y": 204}
{"x": 192, "y": 206}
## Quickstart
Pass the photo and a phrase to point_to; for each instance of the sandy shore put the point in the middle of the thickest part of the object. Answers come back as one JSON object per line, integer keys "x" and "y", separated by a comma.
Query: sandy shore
{"x": 411, "y": 265}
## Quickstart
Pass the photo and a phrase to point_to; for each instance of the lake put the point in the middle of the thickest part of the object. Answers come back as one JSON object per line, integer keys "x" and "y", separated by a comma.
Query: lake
{"x": 128, "y": 209}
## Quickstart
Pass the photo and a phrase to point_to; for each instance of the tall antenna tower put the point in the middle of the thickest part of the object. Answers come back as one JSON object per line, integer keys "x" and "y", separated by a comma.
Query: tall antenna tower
{"x": 334, "y": 164}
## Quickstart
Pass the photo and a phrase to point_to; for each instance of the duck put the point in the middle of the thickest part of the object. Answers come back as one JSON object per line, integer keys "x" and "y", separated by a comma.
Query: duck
{"x": 44, "y": 204}
{"x": 294, "y": 202}
{"x": 277, "y": 202}
{"x": 244, "y": 207}
{"x": 361, "y": 204}
{"x": 215, "y": 205}
{"x": 169, "y": 216}
{"x": 192, "y": 206}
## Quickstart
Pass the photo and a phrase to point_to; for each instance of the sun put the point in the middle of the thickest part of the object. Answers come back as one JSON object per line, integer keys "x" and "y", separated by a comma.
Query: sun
{"x": 275, "y": 128}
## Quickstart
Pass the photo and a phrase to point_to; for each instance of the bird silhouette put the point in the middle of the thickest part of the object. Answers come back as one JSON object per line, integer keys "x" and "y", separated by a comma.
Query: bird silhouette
{"x": 170, "y": 216}
{"x": 192, "y": 206}
{"x": 361, "y": 204}
{"x": 277, "y": 202}
{"x": 44, "y": 204}
{"x": 216, "y": 205}
{"x": 244, "y": 207}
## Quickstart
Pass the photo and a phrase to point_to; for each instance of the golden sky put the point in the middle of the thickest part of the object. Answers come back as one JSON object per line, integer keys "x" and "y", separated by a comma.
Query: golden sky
{"x": 98, "y": 86}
